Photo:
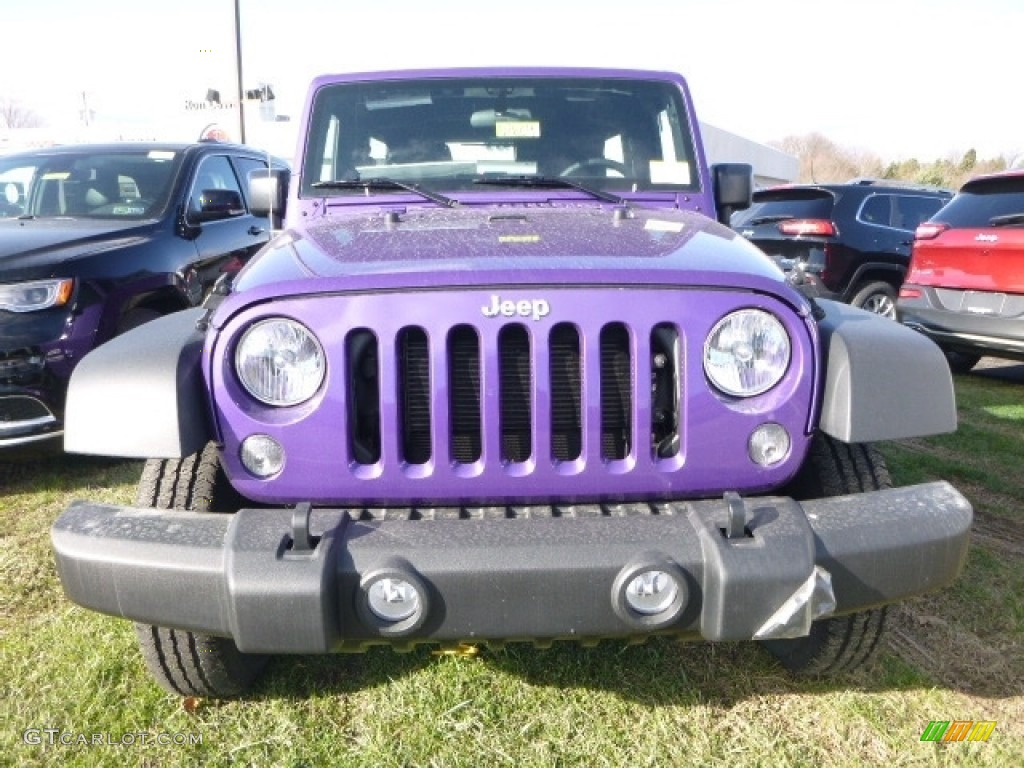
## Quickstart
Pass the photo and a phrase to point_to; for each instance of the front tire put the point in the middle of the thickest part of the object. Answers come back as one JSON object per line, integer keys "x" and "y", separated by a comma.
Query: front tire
{"x": 187, "y": 663}
{"x": 842, "y": 643}
{"x": 878, "y": 297}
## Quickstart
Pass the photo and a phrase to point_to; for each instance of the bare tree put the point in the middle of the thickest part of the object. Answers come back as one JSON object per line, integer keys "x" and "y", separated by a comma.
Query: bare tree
{"x": 821, "y": 160}
{"x": 13, "y": 115}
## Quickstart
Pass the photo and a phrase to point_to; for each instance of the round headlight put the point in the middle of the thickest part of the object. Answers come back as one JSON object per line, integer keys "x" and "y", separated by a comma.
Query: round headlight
{"x": 280, "y": 362}
{"x": 746, "y": 353}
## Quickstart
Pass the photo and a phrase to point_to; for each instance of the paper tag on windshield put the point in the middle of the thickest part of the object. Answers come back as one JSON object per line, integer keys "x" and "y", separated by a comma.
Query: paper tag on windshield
{"x": 669, "y": 172}
{"x": 517, "y": 129}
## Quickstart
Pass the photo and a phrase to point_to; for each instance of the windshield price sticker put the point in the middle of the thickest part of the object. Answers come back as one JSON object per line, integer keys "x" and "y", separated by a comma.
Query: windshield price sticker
{"x": 517, "y": 129}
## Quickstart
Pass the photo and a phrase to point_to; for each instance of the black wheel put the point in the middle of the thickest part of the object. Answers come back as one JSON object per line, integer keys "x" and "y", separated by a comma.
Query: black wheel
{"x": 878, "y": 297}
{"x": 960, "y": 362}
{"x": 184, "y": 662}
{"x": 841, "y": 643}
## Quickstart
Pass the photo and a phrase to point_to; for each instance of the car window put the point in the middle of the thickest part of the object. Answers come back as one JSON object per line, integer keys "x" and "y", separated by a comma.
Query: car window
{"x": 214, "y": 172}
{"x": 88, "y": 184}
{"x": 877, "y": 209}
{"x": 775, "y": 205}
{"x": 911, "y": 210}
{"x": 245, "y": 166}
{"x": 14, "y": 184}
{"x": 982, "y": 200}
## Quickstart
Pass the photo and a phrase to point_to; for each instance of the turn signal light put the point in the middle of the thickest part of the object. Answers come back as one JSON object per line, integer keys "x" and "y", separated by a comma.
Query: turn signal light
{"x": 929, "y": 230}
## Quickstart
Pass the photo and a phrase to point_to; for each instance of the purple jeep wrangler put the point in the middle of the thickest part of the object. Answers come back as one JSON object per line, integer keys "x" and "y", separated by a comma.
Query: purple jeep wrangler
{"x": 504, "y": 377}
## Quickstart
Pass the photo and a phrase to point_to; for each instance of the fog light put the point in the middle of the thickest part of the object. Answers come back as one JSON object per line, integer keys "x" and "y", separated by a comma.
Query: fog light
{"x": 769, "y": 444}
{"x": 393, "y": 599}
{"x": 651, "y": 592}
{"x": 262, "y": 455}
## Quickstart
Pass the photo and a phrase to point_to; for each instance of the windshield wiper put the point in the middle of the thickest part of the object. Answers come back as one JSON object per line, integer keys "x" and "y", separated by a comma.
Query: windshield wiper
{"x": 768, "y": 219}
{"x": 1006, "y": 220}
{"x": 550, "y": 182}
{"x": 382, "y": 182}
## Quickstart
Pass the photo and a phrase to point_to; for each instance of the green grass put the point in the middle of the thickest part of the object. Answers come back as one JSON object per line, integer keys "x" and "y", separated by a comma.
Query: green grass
{"x": 957, "y": 654}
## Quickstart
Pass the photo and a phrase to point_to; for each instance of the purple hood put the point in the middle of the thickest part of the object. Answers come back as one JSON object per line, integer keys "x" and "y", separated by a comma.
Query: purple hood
{"x": 583, "y": 244}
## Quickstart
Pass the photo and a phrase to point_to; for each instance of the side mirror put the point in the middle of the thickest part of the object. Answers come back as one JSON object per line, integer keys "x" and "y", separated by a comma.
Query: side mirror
{"x": 217, "y": 204}
{"x": 734, "y": 188}
{"x": 268, "y": 193}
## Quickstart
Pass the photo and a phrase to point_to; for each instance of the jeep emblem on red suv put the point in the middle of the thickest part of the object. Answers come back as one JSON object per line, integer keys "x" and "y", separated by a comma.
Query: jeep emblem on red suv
{"x": 535, "y": 308}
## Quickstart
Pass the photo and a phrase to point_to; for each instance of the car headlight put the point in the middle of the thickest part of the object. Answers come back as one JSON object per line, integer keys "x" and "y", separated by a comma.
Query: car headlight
{"x": 280, "y": 362}
{"x": 746, "y": 353}
{"x": 38, "y": 294}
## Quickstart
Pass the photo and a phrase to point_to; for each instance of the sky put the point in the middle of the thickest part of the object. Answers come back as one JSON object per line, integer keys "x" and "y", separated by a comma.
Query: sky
{"x": 898, "y": 78}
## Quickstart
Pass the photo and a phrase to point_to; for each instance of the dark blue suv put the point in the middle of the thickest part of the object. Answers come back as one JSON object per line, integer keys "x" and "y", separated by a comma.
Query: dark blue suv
{"x": 849, "y": 242}
{"x": 98, "y": 239}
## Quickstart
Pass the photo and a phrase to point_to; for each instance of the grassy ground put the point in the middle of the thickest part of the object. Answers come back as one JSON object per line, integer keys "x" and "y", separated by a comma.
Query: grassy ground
{"x": 68, "y": 675}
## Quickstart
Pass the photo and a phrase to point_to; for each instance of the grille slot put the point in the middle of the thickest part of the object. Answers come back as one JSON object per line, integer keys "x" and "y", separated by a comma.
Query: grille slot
{"x": 665, "y": 378}
{"x": 414, "y": 395}
{"x": 516, "y": 389}
{"x": 464, "y": 392}
{"x": 566, "y": 393}
{"x": 363, "y": 380}
{"x": 616, "y": 392}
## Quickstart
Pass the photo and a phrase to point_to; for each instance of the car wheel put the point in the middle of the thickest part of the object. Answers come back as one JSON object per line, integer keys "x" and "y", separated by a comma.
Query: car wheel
{"x": 841, "y": 643}
{"x": 960, "y": 362}
{"x": 878, "y": 297}
{"x": 187, "y": 663}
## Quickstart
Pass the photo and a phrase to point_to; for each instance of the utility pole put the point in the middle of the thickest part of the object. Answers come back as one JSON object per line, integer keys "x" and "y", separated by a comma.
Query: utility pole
{"x": 238, "y": 67}
{"x": 86, "y": 113}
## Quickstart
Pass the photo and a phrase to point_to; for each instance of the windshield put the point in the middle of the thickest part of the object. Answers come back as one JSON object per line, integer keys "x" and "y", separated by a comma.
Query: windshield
{"x": 107, "y": 184}
{"x": 448, "y": 134}
{"x": 779, "y": 205}
{"x": 985, "y": 202}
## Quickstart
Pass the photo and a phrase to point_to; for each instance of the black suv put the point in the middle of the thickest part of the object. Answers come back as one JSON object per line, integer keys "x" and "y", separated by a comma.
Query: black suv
{"x": 98, "y": 239}
{"x": 849, "y": 242}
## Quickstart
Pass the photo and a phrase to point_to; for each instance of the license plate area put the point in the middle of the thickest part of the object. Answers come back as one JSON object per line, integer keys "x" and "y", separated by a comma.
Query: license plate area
{"x": 983, "y": 302}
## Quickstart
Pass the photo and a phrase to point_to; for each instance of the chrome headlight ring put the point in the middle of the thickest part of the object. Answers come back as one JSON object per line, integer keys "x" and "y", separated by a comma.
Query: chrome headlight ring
{"x": 280, "y": 362}
{"x": 747, "y": 353}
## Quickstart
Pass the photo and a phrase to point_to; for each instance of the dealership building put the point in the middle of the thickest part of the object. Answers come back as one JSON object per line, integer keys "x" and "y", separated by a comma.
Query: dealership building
{"x": 771, "y": 166}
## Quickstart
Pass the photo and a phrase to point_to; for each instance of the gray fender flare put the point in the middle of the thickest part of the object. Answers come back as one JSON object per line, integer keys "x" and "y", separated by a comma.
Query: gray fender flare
{"x": 141, "y": 395}
{"x": 883, "y": 381}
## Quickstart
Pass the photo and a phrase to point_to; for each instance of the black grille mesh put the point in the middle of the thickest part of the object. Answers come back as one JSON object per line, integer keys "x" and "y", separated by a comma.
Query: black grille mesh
{"x": 516, "y": 389}
{"x": 414, "y": 393}
{"x": 616, "y": 392}
{"x": 566, "y": 392}
{"x": 464, "y": 386}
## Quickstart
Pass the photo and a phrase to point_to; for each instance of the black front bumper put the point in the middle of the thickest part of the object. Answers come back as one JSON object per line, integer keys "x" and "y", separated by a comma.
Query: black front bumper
{"x": 508, "y": 574}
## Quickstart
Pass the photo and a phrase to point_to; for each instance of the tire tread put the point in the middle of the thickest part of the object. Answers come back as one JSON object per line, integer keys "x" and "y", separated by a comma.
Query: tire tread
{"x": 841, "y": 643}
{"x": 183, "y": 662}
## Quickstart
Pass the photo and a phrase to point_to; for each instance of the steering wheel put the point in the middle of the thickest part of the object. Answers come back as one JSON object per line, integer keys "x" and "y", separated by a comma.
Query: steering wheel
{"x": 594, "y": 163}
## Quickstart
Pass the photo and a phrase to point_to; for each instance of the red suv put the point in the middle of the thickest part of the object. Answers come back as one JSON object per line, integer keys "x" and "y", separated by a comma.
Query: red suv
{"x": 965, "y": 287}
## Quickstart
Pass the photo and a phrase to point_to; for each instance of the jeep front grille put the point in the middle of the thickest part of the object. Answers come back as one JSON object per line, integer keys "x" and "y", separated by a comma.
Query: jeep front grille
{"x": 539, "y": 385}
